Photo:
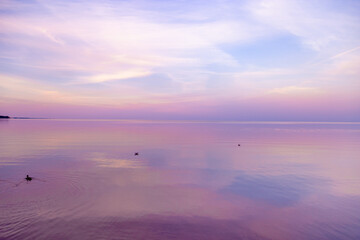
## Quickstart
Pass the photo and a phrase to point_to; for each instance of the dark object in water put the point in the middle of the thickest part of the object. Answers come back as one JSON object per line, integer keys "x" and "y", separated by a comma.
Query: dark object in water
{"x": 4, "y": 116}
{"x": 28, "y": 178}
{"x": 136, "y": 154}
{"x": 239, "y": 145}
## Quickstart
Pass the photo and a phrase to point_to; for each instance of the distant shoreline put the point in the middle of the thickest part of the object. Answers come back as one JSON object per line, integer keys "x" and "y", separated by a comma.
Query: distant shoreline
{"x": 27, "y": 118}
{"x": 8, "y": 117}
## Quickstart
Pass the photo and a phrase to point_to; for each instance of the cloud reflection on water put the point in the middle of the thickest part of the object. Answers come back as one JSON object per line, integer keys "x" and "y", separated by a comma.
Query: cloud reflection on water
{"x": 103, "y": 161}
{"x": 279, "y": 190}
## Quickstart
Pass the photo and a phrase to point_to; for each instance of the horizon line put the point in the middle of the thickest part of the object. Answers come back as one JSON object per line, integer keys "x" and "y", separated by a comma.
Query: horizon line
{"x": 189, "y": 121}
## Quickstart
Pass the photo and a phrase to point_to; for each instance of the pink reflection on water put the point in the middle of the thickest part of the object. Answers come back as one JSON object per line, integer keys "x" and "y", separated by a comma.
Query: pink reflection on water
{"x": 190, "y": 180}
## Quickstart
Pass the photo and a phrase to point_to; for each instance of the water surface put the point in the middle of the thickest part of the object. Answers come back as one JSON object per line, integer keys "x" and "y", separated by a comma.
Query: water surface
{"x": 190, "y": 180}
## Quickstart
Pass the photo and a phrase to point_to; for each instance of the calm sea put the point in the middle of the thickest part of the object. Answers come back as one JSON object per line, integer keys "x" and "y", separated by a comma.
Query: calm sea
{"x": 190, "y": 180}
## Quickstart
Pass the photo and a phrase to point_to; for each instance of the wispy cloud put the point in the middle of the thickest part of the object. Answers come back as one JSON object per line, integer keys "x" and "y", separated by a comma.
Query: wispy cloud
{"x": 293, "y": 90}
{"x": 117, "y": 76}
{"x": 345, "y": 53}
{"x": 319, "y": 24}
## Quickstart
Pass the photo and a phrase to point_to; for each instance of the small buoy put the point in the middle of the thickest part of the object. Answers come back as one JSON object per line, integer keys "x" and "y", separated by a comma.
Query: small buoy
{"x": 136, "y": 154}
{"x": 28, "y": 178}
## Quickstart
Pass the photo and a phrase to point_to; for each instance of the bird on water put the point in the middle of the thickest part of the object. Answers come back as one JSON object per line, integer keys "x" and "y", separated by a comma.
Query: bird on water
{"x": 136, "y": 154}
{"x": 28, "y": 178}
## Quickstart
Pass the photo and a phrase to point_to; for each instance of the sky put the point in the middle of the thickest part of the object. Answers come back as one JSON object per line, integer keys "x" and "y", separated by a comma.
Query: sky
{"x": 270, "y": 60}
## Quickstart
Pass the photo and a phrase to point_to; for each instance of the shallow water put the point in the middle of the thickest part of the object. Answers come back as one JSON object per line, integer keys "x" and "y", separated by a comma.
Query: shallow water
{"x": 190, "y": 180}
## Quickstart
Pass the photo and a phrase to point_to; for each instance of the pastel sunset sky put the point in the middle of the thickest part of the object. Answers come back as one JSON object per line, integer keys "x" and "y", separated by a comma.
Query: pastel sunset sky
{"x": 271, "y": 60}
